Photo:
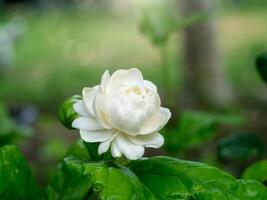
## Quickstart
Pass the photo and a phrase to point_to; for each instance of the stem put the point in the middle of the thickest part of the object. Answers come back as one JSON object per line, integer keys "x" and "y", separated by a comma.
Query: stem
{"x": 94, "y": 196}
{"x": 165, "y": 68}
{"x": 121, "y": 161}
{"x": 91, "y": 195}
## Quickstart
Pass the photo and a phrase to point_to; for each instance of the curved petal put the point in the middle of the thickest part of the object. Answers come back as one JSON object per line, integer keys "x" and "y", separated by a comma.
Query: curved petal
{"x": 129, "y": 150}
{"x": 96, "y": 136}
{"x": 86, "y": 123}
{"x": 89, "y": 97}
{"x": 150, "y": 85}
{"x": 99, "y": 108}
{"x": 80, "y": 108}
{"x": 124, "y": 77}
{"x": 104, "y": 81}
{"x": 115, "y": 150}
{"x": 156, "y": 122}
{"x": 153, "y": 140}
{"x": 104, "y": 146}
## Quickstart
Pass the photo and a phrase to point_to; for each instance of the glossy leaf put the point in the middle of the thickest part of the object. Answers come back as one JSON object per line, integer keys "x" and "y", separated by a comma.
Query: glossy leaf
{"x": 16, "y": 179}
{"x": 257, "y": 171}
{"x": 55, "y": 190}
{"x": 70, "y": 183}
{"x": 156, "y": 178}
{"x": 82, "y": 180}
{"x": 240, "y": 147}
{"x": 66, "y": 113}
{"x": 196, "y": 127}
{"x": 261, "y": 64}
{"x": 79, "y": 150}
{"x": 170, "y": 178}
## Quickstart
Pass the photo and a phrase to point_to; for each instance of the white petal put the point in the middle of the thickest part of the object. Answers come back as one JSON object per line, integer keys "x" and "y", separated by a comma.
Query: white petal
{"x": 150, "y": 85}
{"x": 80, "y": 108}
{"x": 104, "y": 81}
{"x": 124, "y": 77}
{"x": 135, "y": 73}
{"x": 115, "y": 150}
{"x": 89, "y": 97}
{"x": 96, "y": 136}
{"x": 129, "y": 150}
{"x": 99, "y": 108}
{"x": 154, "y": 140}
{"x": 156, "y": 122}
{"x": 86, "y": 123}
{"x": 104, "y": 146}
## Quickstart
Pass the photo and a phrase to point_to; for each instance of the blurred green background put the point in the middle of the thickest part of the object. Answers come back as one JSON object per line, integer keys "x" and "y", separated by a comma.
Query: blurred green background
{"x": 67, "y": 45}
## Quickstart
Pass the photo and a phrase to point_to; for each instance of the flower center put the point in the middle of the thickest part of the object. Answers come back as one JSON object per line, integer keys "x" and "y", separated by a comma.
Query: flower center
{"x": 136, "y": 90}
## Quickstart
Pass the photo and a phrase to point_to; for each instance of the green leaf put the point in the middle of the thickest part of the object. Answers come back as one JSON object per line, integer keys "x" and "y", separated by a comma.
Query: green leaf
{"x": 257, "y": 171}
{"x": 156, "y": 178}
{"x": 79, "y": 150}
{"x": 66, "y": 113}
{"x": 196, "y": 127}
{"x": 55, "y": 188}
{"x": 82, "y": 180}
{"x": 108, "y": 182}
{"x": 16, "y": 179}
{"x": 240, "y": 147}
{"x": 170, "y": 178}
{"x": 261, "y": 64}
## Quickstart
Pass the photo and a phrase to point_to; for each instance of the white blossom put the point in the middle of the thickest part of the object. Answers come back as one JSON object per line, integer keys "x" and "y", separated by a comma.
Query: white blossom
{"x": 123, "y": 113}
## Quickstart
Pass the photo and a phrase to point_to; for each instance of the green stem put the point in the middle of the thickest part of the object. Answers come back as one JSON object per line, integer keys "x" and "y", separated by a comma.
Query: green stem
{"x": 94, "y": 196}
{"x": 122, "y": 161}
{"x": 165, "y": 68}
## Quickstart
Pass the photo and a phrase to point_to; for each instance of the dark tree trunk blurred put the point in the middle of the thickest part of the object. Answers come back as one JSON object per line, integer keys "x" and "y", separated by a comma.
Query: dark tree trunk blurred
{"x": 204, "y": 80}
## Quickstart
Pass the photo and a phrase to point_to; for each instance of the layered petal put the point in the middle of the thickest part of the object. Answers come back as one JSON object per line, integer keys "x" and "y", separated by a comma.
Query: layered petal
{"x": 80, "y": 108}
{"x": 156, "y": 122}
{"x": 128, "y": 112}
{"x": 124, "y": 78}
{"x": 101, "y": 114}
{"x": 89, "y": 97}
{"x": 104, "y": 146}
{"x": 87, "y": 123}
{"x": 128, "y": 149}
{"x": 150, "y": 85}
{"x": 154, "y": 140}
{"x": 122, "y": 113}
{"x": 104, "y": 81}
{"x": 115, "y": 152}
{"x": 96, "y": 136}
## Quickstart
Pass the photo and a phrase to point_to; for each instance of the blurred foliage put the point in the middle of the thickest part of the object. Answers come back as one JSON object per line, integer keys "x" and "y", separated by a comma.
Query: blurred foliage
{"x": 160, "y": 19}
{"x": 52, "y": 149}
{"x": 16, "y": 179}
{"x": 261, "y": 64}
{"x": 246, "y": 4}
{"x": 241, "y": 148}
{"x": 194, "y": 128}
{"x": 80, "y": 51}
{"x": 10, "y": 131}
{"x": 257, "y": 171}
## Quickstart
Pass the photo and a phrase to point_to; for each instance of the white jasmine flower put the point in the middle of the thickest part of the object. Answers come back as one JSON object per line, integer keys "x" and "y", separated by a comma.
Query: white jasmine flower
{"x": 123, "y": 113}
